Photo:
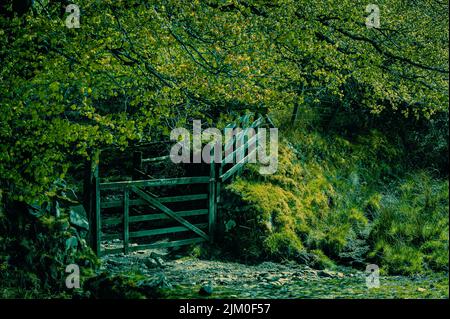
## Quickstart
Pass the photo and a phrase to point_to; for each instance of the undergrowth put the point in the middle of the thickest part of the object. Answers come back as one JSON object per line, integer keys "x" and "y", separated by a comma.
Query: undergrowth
{"x": 337, "y": 199}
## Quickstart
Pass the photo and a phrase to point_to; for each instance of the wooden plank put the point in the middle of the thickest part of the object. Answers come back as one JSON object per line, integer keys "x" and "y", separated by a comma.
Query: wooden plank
{"x": 162, "y": 231}
{"x": 219, "y": 185}
{"x": 108, "y": 236}
{"x": 155, "y": 159}
{"x": 186, "y": 213}
{"x": 269, "y": 120}
{"x": 212, "y": 199}
{"x": 126, "y": 212}
{"x": 156, "y": 182}
{"x": 169, "y": 199}
{"x": 98, "y": 225}
{"x": 235, "y": 138}
{"x": 243, "y": 120}
{"x": 236, "y": 167}
{"x": 112, "y": 221}
{"x": 154, "y": 202}
{"x": 183, "y": 198}
{"x": 241, "y": 148}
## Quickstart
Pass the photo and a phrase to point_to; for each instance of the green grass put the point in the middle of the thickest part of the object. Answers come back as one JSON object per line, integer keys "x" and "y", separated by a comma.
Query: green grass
{"x": 345, "y": 200}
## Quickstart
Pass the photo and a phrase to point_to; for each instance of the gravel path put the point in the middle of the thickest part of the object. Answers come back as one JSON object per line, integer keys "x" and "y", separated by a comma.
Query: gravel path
{"x": 189, "y": 277}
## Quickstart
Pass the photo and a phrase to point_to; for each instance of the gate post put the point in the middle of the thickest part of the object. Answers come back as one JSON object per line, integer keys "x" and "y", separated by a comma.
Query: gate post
{"x": 212, "y": 197}
{"x": 126, "y": 226}
{"x": 91, "y": 201}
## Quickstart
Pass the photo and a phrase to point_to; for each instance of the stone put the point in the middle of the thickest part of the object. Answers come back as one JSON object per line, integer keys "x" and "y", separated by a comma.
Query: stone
{"x": 326, "y": 274}
{"x": 151, "y": 263}
{"x": 206, "y": 290}
{"x": 420, "y": 289}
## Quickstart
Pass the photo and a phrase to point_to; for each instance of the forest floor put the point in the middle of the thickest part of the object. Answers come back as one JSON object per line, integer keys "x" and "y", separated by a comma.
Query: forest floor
{"x": 189, "y": 277}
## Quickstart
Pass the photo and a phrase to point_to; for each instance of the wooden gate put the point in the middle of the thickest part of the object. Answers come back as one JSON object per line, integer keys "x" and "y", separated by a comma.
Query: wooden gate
{"x": 136, "y": 203}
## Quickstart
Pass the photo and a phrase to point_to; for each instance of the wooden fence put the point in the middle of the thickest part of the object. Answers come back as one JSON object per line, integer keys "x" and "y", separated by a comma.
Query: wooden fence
{"x": 129, "y": 195}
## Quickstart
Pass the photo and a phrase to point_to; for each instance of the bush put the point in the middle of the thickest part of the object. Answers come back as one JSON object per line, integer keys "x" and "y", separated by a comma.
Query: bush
{"x": 410, "y": 229}
{"x": 35, "y": 248}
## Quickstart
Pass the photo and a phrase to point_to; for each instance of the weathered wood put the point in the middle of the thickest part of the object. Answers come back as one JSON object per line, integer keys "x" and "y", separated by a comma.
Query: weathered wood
{"x": 168, "y": 199}
{"x": 219, "y": 185}
{"x": 126, "y": 212}
{"x": 216, "y": 177}
{"x": 109, "y": 236}
{"x": 97, "y": 225}
{"x": 154, "y": 202}
{"x": 156, "y": 182}
{"x": 269, "y": 120}
{"x": 212, "y": 198}
{"x": 236, "y": 167}
{"x": 241, "y": 148}
{"x": 155, "y": 159}
{"x": 186, "y": 213}
{"x": 112, "y": 221}
{"x": 183, "y": 198}
{"x": 162, "y": 231}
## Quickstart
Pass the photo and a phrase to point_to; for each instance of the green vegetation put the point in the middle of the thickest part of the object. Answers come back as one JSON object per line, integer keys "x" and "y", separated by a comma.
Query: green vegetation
{"x": 363, "y": 112}
{"x": 341, "y": 199}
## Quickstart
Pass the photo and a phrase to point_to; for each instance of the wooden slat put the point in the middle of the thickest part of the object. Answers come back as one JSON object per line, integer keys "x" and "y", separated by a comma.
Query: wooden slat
{"x": 142, "y": 218}
{"x": 212, "y": 199}
{"x": 98, "y": 222}
{"x": 236, "y": 167}
{"x": 241, "y": 148}
{"x": 162, "y": 231}
{"x": 155, "y": 159}
{"x": 119, "y": 203}
{"x": 154, "y": 202}
{"x": 155, "y": 182}
{"x": 169, "y": 199}
{"x": 255, "y": 124}
{"x": 126, "y": 211}
{"x": 269, "y": 120}
{"x": 184, "y": 198}
{"x": 106, "y": 236}
{"x": 112, "y": 221}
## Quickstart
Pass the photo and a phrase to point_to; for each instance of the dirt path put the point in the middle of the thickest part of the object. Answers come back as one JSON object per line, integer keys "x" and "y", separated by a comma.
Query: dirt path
{"x": 194, "y": 278}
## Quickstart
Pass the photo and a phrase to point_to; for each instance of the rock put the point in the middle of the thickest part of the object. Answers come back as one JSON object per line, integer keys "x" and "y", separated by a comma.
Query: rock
{"x": 151, "y": 263}
{"x": 159, "y": 261}
{"x": 77, "y": 217}
{"x": 326, "y": 274}
{"x": 340, "y": 275}
{"x": 206, "y": 290}
{"x": 272, "y": 278}
{"x": 420, "y": 289}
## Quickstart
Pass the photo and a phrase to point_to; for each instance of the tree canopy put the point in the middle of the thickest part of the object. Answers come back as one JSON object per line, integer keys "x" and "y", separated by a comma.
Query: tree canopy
{"x": 135, "y": 69}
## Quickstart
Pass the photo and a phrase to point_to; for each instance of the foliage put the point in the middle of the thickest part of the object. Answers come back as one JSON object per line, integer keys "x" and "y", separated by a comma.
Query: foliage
{"x": 330, "y": 199}
{"x": 410, "y": 228}
{"x": 134, "y": 69}
{"x": 34, "y": 264}
{"x": 122, "y": 286}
